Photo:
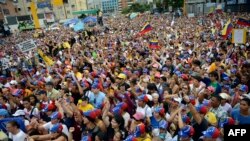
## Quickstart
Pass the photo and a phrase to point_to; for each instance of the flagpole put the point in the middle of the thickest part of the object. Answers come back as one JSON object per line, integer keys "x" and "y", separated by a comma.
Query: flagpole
{"x": 184, "y": 7}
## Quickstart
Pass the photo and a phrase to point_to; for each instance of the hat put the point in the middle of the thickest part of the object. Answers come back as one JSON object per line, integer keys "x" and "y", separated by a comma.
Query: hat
{"x": 155, "y": 65}
{"x": 226, "y": 121}
{"x": 184, "y": 76}
{"x": 201, "y": 109}
{"x": 85, "y": 84}
{"x": 224, "y": 96}
{"x": 131, "y": 138}
{"x": 56, "y": 115}
{"x": 140, "y": 129}
{"x": 177, "y": 99}
{"x": 86, "y": 138}
{"x": 160, "y": 110}
{"x": 211, "y": 118}
{"x": 206, "y": 103}
{"x": 49, "y": 107}
{"x": 186, "y": 131}
{"x": 163, "y": 124}
{"x": 97, "y": 112}
{"x": 4, "y": 112}
{"x": 95, "y": 86}
{"x": 56, "y": 128}
{"x": 244, "y": 88}
{"x": 90, "y": 114}
{"x": 158, "y": 75}
{"x": 143, "y": 98}
{"x": 19, "y": 113}
{"x": 13, "y": 82}
{"x": 122, "y": 76}
{"x": 211, "y": 132}
{"x": 138, "y": 116}
{"x": 122, "y": 105}
{"x": 210, "y": 88}
{"x": 116, "y": 111}
{"x": 186, "y": 119}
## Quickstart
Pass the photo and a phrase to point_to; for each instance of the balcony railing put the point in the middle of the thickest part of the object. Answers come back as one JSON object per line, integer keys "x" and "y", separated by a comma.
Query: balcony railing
{"x": 195, "y": 1}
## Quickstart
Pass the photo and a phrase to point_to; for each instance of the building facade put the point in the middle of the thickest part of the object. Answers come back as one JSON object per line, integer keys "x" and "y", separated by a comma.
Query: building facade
{"x": 125, "y": 3}
{"x": 7, "y": 8}
{"x": 94, "y": 4}
{"x": 237, "y": 6}
{"x": 110, "y": 6}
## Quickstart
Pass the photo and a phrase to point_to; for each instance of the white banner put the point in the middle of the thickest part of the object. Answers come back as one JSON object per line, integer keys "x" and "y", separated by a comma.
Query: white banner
{"x": 239, "y": 36}
{"x": 27, "y": 45}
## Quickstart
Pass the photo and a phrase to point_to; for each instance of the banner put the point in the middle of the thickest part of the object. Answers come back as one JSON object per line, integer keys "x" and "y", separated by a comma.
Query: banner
{"x": 49, "y": 17}
{"x": 43, "y": 4}
{"x": 27, "y": 45}
{"x": 239, "y": 36}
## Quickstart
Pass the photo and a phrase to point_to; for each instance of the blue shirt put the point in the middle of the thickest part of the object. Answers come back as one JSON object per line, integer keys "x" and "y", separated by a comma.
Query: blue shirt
{"x": 96, "y": 99}
{"x": 238, "y": 117}
{"x": 154, "y": 122}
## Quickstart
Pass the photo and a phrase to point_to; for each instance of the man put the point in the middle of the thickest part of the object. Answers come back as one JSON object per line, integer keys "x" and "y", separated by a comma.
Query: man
{"x": 216, "y": 108}
{"x": 30, "y": 111}
{"x": 242, "y": 115}
{"x": 143, "y": 108}
{"x": 185, "y": 134}
{"x": 52, "y": 93}
{"x": 121, "y": 80}
{"x": 15, "y": 133}
{"x": 96, "y": 97}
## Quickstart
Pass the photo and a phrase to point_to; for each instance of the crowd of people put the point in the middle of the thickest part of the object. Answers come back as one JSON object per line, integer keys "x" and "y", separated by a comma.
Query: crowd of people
{"x": 107, "y": 84}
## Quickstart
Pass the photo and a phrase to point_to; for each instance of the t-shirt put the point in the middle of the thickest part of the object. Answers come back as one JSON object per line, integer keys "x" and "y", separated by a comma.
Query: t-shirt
{"x": 35, "y": 113}
{"x": 146, "y": 111}
{"x": 240, "y": 118}
{"x": 147, "y": 138}
{"x": 20, "y": 136}
{"x": 49, "y": 125}
{"x": 199, "y": 128}
{"x": 86, "y": 108}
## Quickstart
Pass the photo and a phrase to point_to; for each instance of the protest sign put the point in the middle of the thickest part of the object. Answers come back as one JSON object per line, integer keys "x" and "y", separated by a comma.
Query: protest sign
{"x": 239, "y": 36}
{"x": 27, "y": 45}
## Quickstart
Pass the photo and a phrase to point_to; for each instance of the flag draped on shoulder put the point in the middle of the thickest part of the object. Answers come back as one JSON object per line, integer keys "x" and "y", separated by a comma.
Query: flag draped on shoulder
{"x": 243, "y": 22}
{"x": 228, "y": 28}
{"x": 146, "y": 28}
{"x": 48, "y": 61}
{"x": 154, "y": 44}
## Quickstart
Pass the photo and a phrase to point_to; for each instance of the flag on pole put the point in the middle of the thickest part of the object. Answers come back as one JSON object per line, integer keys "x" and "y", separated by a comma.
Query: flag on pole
{"x": 48, "y": 61}
{"x": 146, "y": 28}
{"x": 228, "y": 28}
{"x": 243, "y": 22}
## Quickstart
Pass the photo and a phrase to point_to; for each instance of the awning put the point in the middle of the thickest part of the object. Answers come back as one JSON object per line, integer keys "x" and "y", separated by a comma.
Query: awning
{"x": 92, "y": 11}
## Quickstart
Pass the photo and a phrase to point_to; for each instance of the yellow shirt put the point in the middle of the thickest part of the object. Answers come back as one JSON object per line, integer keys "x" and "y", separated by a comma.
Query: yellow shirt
{"x": 147, "y": 138}
{"x": 78, "y": 75}
{"x": 85, "y": 108}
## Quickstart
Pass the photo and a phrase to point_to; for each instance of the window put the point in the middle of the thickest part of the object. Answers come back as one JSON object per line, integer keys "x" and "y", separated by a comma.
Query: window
{"x": 28, "y": 0}
{"x": 19, "y": 9}
{"x": 6, "y": 11}
{"x": 28, "y": 8}
{"x": 68, "y": 12}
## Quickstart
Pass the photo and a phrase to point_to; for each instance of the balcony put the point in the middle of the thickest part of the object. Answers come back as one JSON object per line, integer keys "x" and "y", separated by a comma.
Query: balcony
{"x": 195, "y": 1}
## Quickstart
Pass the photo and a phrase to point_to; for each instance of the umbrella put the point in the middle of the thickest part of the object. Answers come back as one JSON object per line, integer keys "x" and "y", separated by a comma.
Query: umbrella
{"x": 133, "y": 15}
{"x": 89, "y": 19}
{"x": 71, "y": 21}
{"x": 79, "y": 26}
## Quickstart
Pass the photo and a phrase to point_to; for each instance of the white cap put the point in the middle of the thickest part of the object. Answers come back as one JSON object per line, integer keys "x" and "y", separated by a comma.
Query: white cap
{"x": 224, "y": 96}
{"x": 177, "y": 99}
{"x": 19, "y": 113}
{"x": 13, "y": 82}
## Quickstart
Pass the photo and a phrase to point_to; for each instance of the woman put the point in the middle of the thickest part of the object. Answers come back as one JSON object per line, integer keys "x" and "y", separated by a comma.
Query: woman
{"x": 158, "y": 116}
{"x": 156, "y": 102}
{"x": 173, "y": 85}
{"x": 34, "y": 101}
{"x": 117, "y": 126}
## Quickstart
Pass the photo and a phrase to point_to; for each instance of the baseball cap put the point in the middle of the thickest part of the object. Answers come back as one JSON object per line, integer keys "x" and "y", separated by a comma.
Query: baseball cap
{"x": 186, "y": 119}
{"x": 226, "y": 121}
{"x": 56, "y": 115}
{"x": 122, "y": 105}
{"x": 95, "y": 86}
{"x": 131, "y": 138}
{"x": 122, "y": 76}
{"x": 90, "y": 114}
{"x": 211, "y": 132}
{"x": 158, "y": 75}
{"x": 86, "y": 138}
{"x": 19, "y": 113}
{"x": 139, "y": 130}
{"x": 211, "y": 118}
{"x": 116, "y": 111}
{"x": 138, "y": 116}
{"x": 145, "y": 70}
{"x": 160, "y": 110}
{"x": 164, "y": 69}
{"x": 56, "y": 128}
{"x": 201, "y": 109}
{"x": 49, "y": 107}
{"x": 13, "y": 82}
{"x": 243, "y": 88}
{"x": 177, "y": 99}
{"x": 186, "y": 131}
{"x": 224, "y": 96}
{"x": 143, "y": 98}
{"x": 210, "y": 88}
{"x": 17, "y": 92}
{"x": 163, "y": 124}
{"x": 3, "y": 112}
{"x": 184, "y": 76}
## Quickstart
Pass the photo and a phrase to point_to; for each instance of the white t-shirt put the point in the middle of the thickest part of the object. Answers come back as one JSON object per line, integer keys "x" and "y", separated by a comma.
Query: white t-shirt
{"x": 49, "y": 125}
{"x": 126, "y": 118}
{"x": 227, "y": 107}
{"x": 146, "y": 111}
{"x": 35, "y": 113}
{"x": 20, "y": 136}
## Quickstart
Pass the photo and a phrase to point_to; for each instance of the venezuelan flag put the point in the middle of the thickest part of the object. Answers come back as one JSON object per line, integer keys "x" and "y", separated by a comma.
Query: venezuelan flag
{"x": 45, "y": 58}
{"x": 146, "y": 28}
{"x": 243, "y": 22}
{"x": 154, "y": 44}
{"x": 228, "y": 28}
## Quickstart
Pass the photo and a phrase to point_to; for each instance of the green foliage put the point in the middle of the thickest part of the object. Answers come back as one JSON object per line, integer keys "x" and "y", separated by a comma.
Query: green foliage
{"x": 173, "y": 3}
{"x": 82, "y": 16}
{"x": 136, "y": 7}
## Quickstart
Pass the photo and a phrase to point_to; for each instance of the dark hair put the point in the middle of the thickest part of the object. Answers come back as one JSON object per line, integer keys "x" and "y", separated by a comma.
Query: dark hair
{"x": 27, "y": 99}
{"x": 164, "y": 78}
{"x": 102, "y": 136}
{"x": 214, "y": 74}
{"x": 14, "y": 123}
{"x": 120, "y": 120}
{"x": 247, "y": 100}
{"x": 36, "y": 100}
{"x": 219, "y": 98}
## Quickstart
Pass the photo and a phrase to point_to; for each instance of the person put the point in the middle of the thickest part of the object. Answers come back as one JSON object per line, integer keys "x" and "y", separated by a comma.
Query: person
{"x": 30, "y": 111}
{"x": 216, "y": 108}
{"x": 211, "y": 134}
{"x": 52, "y": 93}
{"x": 141, "y": 134}
{"x": 15, "y": 133}
{"x": 185, "y": 134}
{"x": 84, "y": 105}
{"x": 242, "y": 115}
{"x": 143, "y": 108}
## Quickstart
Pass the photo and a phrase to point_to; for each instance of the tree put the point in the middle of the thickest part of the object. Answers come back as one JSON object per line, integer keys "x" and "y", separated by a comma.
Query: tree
{"x": 136, "y": 7}
{"x": 82, "y": 16}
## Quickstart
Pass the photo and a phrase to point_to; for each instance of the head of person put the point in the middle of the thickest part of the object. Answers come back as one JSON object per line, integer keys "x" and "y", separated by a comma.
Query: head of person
{"x": 49, "y": 86}
{"x": 95, "y": 88}
{"x": 142, "y": 100}
{"x": 49, "y": 109}
{"x": 168, "y": 61}
{"x": 155, "y": 98}
{"x": 3, "y": 99}
{"x": 244, "y": 104}
{"x": 26, "y": 103}
{"x": 159, "y": 112}
{"x": 3, "y": 113}
{"x": 186, "y": 133}
{"x": 56, "y": 117}
{"x": 139, "y": 117}
{"x": 101, "y": 136}
{"x": 84, "y": 101}
{"x": 215, "y": 101}
{"x": 33, "y": 100}
{"x": 121, "y": 78}
{"x": 226, "y": 121}
{"x": 163, "y": 129}
{"x": 86, "y": 138}
{"x": 41, "y": 95}
{"x": 196, "y": 80}
{"x": 89, "y": 117}
{"x": 213, "y": 76}
{"x": 13, "y": 127}
{"x": 117, "y": 122}
{"x": 56, "y": 130}
{"x": 211, "y": 134}
{"x": 140, "y": 130}
{"x": 202, "y": 110}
